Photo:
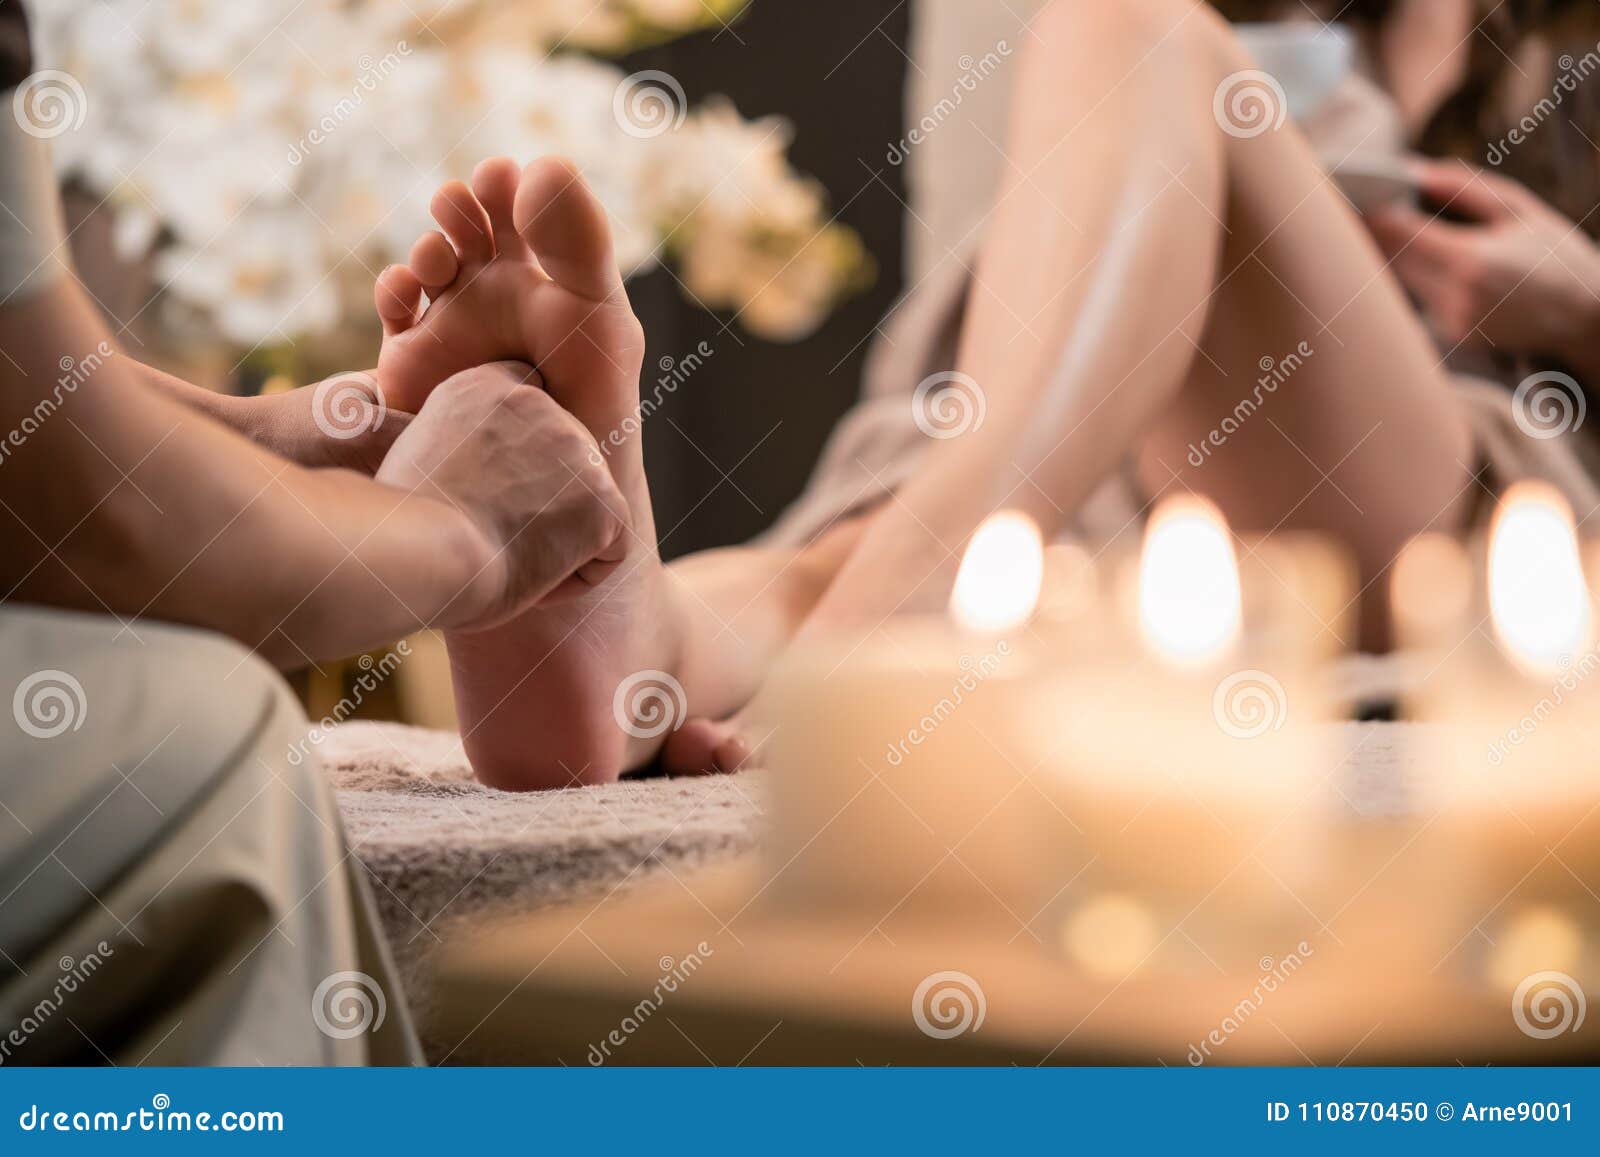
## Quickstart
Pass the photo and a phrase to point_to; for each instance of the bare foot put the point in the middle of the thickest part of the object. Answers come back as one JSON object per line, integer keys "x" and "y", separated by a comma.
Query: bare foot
{"x": 528, "y": 272}
{"x": 522, "y": 271}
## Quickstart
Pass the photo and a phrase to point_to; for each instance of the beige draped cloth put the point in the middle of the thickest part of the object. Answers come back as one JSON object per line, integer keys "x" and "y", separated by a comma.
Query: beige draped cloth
{"x": 953, "y": 173}
{"x": 175, "y": 886}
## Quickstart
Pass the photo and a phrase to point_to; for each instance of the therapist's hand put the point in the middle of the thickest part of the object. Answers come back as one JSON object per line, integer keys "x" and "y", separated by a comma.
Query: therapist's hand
{"x": 340, "y": 422}
{"x": 492, "y": 444}
{"x": 1517, "y": 276}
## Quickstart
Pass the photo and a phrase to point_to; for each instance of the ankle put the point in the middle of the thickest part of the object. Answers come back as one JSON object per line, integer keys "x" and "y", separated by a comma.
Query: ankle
{"x": 660, "y": 683}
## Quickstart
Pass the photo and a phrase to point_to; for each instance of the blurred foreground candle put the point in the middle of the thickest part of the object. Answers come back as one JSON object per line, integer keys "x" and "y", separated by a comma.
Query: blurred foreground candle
{"x": 1505, "y": 647}
{"x": 897, "y": 777}
{"x": 1184, "y": 750}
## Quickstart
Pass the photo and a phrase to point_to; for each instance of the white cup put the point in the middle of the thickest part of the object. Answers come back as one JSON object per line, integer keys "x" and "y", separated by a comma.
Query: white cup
{"x": 1309, "y": 60}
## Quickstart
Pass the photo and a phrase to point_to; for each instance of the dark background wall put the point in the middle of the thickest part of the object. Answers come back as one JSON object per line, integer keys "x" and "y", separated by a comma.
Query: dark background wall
{"x": 835, "y": 69}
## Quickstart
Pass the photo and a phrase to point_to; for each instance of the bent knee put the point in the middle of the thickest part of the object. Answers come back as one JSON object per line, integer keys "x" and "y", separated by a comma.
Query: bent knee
{"x": 1140, "y": 26}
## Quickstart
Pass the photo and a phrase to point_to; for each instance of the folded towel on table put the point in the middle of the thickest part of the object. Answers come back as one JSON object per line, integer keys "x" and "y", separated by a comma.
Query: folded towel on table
{"x": 441, "y": 849}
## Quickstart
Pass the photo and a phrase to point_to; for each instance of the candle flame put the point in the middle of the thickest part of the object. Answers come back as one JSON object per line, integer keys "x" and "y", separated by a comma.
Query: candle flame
{"x": 1189, "y": 601}
{"x": 1537, "y": 593}
{"x": 997, "y": 587}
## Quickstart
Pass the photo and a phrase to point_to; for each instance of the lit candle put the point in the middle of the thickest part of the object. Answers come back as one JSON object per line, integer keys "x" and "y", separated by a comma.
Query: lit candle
{"x": 1511, "y": 679}
{"x": 1504, "y": 642}
{"x": 896, "y": 775}
{"x": 1166, "y": 757}
{"x": 1185, "y": 750}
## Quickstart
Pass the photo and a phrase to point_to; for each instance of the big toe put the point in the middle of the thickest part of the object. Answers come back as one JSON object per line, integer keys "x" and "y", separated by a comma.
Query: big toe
{"x": 566, "y": 225}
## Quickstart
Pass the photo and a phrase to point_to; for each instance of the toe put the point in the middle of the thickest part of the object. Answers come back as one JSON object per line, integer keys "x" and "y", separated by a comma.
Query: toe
{"x": 692, "y": 748}
{"x": 567, "y": 227}
{"x": 494, "y": 182}
{"x": 397, "y": 293}
{"x": 707, "y": 747}
{"x": 434, "y": 263}
{"x": 732, "y": 753}
{"x": 464, "y": 221}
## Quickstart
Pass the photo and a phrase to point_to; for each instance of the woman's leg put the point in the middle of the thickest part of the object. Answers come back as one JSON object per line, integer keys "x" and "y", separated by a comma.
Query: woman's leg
{"x": 1142, "y": 268}
{"x": 1141, "y": 265}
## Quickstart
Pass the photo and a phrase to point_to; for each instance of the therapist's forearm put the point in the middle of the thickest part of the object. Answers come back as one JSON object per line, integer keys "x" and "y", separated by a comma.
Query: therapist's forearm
{"x": 119, "y": 499}
{"x": 223, "y": 408}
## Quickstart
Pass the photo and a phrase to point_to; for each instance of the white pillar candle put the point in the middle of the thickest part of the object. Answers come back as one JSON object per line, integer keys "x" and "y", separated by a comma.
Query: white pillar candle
{"x": 1185, "y": 749}
{"x": 1510, "y": 676}
{"x": 1091, "y": 775}
{"x": 897, "y": 779}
